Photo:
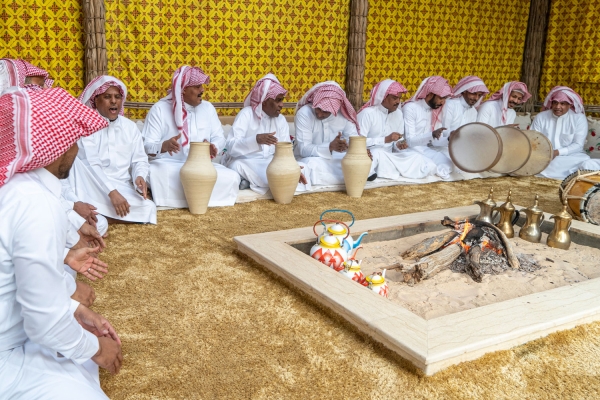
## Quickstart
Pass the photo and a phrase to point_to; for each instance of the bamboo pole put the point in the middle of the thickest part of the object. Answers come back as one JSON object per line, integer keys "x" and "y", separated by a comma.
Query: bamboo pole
{"x": 535, "y": 46}
{"x": 95, "y": 60}
{"x": 357, "y": 54}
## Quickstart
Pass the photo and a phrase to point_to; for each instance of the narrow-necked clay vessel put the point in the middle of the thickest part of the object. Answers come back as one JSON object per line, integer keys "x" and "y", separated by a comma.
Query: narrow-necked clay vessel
{"x": 198, "y": 177}
{"x": 356, "y": 166}
{"x": 283, "y": 173}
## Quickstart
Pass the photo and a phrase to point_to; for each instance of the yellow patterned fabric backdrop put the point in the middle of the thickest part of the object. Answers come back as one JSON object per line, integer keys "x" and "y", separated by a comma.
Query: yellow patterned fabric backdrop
{"x": 235, "y": 42}
{"x": 572, "y": 55}
{"x": 410, "y": 40}
{"x": 46, "y": 33}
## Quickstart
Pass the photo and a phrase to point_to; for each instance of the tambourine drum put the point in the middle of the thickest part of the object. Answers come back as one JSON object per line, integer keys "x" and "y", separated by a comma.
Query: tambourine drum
{"x": 577, "y": 190}
{"x": 541, "y": 154}
{"x": 475, "y": 147}
{"x": 589, "y": 208}
{"x": 516, "y": 150}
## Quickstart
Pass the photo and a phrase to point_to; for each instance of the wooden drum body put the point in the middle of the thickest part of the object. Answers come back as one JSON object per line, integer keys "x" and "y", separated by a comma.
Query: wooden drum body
{"x": 581, "y": 190}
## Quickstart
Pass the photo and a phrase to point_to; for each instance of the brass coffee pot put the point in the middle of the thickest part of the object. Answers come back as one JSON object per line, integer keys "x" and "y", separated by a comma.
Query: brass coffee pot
{"x": 560, "y": 237}
{"x": 507, "y": 221}
{"x": 486, "y": 208}
{"x": 531, "y": 231}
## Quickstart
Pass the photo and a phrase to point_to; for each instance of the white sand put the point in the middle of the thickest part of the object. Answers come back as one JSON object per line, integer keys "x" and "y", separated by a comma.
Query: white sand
{"x": 449, "y": 292}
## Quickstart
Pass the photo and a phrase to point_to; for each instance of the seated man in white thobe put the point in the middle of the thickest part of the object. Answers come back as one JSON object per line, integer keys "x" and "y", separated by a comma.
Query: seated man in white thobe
{"x": 423, "y": 122}
{"x": 112, "y": 163}
{"x": 498, "y": 110}
{"x": 563, "y": 122}
{"x": 324, "y": 122}
{"x": 20, "y": 73}
{"x": 461, "y": 108}
{"x": 50, "y": 345}
{"x": 382, "y": 122}
{"x": 172, "y": 123}
{"x": 257, "y": 128}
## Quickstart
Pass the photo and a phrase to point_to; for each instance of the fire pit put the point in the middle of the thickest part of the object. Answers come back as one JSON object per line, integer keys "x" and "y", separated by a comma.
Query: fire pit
{"x": 435, "y": 341}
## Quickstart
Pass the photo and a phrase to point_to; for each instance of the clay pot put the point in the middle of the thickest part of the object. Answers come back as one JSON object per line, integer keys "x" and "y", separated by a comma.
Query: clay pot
{"x": 198, "y": 177}
{"x": 356, "y": 166}
{"x": 283, "y": 173}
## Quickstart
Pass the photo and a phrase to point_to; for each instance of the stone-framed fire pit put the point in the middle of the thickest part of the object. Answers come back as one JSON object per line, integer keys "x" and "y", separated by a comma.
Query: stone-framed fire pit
{"x": 436, "y": 343}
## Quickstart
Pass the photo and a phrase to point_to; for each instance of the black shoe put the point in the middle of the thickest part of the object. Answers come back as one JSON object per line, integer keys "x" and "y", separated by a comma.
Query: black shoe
{"x": 244, "y": 184}
{"x": 372, "y": 178}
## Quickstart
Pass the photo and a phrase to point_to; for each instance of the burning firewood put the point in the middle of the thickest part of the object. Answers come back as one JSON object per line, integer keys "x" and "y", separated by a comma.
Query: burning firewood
{"x": 430, "y": 245}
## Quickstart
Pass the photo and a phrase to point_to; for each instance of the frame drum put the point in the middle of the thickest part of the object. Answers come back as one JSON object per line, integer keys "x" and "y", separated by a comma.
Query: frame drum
{"x": 589, "y": 207}
{"x": 541, "y": 154}
{"x": 516, "y": 150}
{"x": 575, "y": 187}
{"x": 475, "y": 147}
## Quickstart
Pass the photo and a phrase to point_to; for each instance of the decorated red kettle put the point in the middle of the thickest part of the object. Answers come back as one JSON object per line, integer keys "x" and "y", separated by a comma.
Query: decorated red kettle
{"x": 329, "y": 248}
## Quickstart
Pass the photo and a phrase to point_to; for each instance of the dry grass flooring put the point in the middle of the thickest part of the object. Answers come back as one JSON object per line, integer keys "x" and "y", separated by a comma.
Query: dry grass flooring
{"x": 200, "y": 320}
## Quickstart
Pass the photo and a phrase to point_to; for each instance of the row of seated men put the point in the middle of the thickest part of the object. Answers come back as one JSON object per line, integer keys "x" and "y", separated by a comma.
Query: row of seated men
{"x": 55, "y": 149}
{"x": 115, "y": 166}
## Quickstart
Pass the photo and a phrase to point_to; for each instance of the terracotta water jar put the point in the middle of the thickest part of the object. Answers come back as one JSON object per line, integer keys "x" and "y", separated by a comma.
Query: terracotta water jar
{"x": 198, "y": 177}
{"x": 283, "y": 173}
{"x": 356, "y": 166}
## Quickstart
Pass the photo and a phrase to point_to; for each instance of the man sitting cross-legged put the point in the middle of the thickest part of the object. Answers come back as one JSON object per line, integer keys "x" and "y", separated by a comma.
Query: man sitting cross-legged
{"x": 176, "y": 120}
{"x": 111, "y": 168}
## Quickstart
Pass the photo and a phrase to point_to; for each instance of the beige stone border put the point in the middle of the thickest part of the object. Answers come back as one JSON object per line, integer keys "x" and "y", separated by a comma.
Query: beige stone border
{"x": 433, "y": 344}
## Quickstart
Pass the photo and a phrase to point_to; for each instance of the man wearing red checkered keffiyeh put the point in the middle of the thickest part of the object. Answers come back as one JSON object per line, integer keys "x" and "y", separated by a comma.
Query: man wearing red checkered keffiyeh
{"x": 38, "y": 135}
{"x": 461, "y": 109}
{"x": 22, "y": 74}
{"x": 324, "y": 122}
{"x": 257, "y": 128}
{"x": 181, "y": 118}
{"x": 382, "y": 122}
{"x": 498, "y": 110}
{"x": 423, "y": 122}
{"x": 564, "y": 123}
{"x": 111, "y": 169}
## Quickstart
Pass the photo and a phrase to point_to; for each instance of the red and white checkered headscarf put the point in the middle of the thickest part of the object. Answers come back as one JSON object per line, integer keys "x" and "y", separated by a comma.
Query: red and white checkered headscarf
{"x": 37, "y": 127}
{"x": 471, "y": 84}
{"x": 183, "y": 77}
{"x": 98, "y": 86}
{"x": 329, "y": 97}
{"x": 437, "y": 85}
{"x": 504, "y": 94}
{"x": 564, "y": 94}
{"x": 267, "y": 87}
{"x": 18, "y": 70}
{"x": 381, "y": 90}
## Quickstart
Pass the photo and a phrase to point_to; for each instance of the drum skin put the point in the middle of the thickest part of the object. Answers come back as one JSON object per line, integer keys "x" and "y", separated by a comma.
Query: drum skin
{"x": 589, "y": 206}
{"x": 516, "y": 150}
{"x": 541, "y": 154}
{"x": 475, "y": 147}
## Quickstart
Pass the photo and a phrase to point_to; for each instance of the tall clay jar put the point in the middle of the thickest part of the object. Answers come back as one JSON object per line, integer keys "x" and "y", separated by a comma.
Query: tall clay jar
{"x": 198, "y": 177}
{"x": 356, "y": 166}
{"x": 283, "y": 173}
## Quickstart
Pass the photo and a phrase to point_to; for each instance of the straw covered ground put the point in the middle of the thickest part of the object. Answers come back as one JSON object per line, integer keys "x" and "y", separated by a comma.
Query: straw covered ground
{"x": 200, "y": 320}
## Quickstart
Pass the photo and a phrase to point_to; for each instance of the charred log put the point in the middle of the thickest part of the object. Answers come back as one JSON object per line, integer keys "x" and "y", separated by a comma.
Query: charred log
{"x": 473, "y": 268}
{"x": 430, "y": 245}
{"x": 430, "y": 265}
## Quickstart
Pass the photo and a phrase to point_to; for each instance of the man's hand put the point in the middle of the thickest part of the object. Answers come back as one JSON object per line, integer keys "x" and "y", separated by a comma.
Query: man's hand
{"x": 401, "y": 145}
{"x": 338, "y": 144}
{"x": 437, "y": 133}
{"x": 109, "y": 355}
{"x": 119, "y": 203}
{"x": 109, "y": 352}
{"x": 140, "y": 183}
{"x": 392, "y": 137}
{"x": 213, "y": 149}
{"x": 84, "y": 294}
{"x": 514, "y": 126}
{"x": 87, "y": 211}
{"x": 90, "y": 236}
{"x": 369, "y": 154}
{"x": 266, "y": 138}
{"x": 555, "y": 154}
{"x": 85, "y": 262}
{"x": 302, "y": 179}
{"x": 171, "y": 146}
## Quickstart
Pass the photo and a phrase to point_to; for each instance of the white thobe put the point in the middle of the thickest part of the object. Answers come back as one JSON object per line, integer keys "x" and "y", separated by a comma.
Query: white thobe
{"x": 418, "y": 133}
{"x": 490, "y": 112}
{"x": 111, "y": 159}
{"x": 42, "y": 347}
{"x": 250, "y": 159}
{"x": 388, "y": 161}
{"x": 567, "y": 134}
{"x": 68, "y": 199}
{"x": 203, "y": 124}
{"x": 311, "y": 145}
{"x": 456, "y": 114}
